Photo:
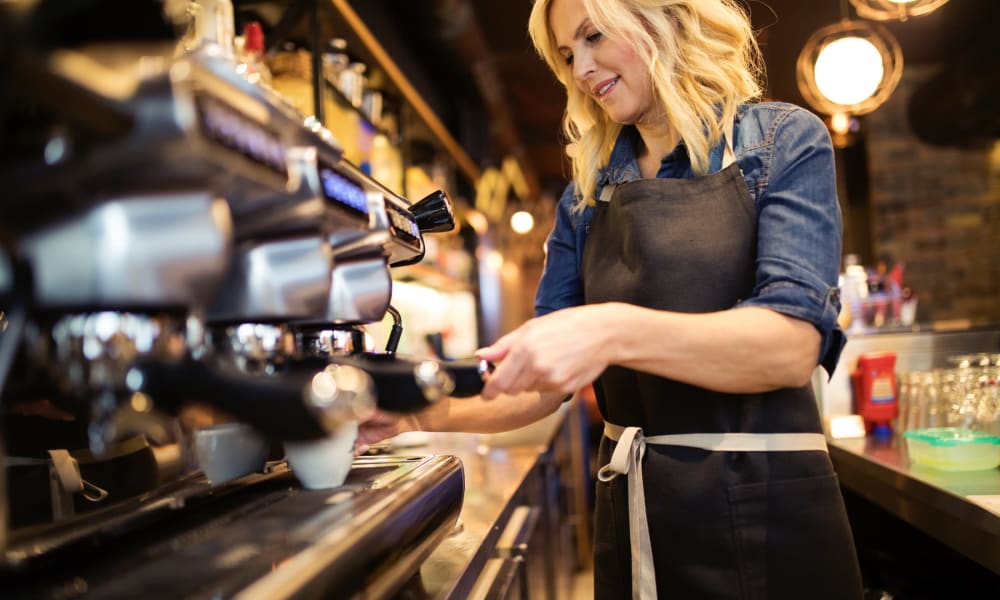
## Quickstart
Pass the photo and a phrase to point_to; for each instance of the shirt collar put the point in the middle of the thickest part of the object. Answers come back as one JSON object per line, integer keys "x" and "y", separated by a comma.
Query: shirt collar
{"x": 622, "y": 165}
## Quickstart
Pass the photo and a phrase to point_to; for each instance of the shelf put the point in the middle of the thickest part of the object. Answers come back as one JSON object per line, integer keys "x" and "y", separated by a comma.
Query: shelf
{"x": 293, "y": 20}
{"x": 406, "y": 89}
{"x": 339, "y": 97}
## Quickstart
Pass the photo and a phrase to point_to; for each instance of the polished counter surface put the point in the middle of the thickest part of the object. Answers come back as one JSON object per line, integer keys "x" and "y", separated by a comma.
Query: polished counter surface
{"x": 960, "y": 509}
{"x": 496, "y": 466}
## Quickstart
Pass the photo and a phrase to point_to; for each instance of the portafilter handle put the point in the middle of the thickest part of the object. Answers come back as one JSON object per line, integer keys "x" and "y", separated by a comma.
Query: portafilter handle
{"x": 288, "y": 406}
{"x": 405, "y": 385}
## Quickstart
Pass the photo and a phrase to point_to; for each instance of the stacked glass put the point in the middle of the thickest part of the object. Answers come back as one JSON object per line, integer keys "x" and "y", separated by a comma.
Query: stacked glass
{"x": 966, "y": 395}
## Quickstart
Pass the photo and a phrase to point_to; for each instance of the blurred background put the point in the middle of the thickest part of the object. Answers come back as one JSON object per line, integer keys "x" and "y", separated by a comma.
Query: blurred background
{"x": 918, "y": 174}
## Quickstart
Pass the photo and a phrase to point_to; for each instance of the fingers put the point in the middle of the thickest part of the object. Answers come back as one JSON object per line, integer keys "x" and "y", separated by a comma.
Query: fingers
{"x": 506, "y": 378}
{"x": 553, "y": 353}
{"x": 513, "y": 375}
{"x": 379, "y": 426}
{"x": 500, "y": 379}
{"x": 534, "y": 370}
{"x": 499, "y": 349}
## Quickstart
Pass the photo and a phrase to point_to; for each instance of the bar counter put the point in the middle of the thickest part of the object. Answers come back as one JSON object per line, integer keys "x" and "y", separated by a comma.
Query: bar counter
{"x": 502, "y": 472}
{"x": 959, "y": 509}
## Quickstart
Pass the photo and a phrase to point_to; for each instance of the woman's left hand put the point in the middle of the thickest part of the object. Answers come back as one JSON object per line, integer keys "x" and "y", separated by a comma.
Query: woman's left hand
{"x": 379, "y": 426}
{"x": 559, "y": 352}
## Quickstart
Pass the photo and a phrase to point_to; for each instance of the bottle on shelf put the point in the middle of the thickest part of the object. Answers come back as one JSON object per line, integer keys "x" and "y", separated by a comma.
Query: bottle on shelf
{"x": 251, "y": 55}
{"x": 854, "y": 290}
{"x": 386, "y": 162}
{"x": 335, "y": 60}
{"x": 209, "y": 24}
{"x": 352, "y": 83}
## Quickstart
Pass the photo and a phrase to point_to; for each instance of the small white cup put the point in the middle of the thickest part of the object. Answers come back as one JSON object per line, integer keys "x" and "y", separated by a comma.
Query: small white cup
{"x": 325, "y": 462}
{"x": 229, "y": 450}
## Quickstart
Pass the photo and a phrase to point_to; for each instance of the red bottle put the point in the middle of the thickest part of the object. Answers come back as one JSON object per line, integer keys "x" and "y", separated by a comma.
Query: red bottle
{"x": 874, "y": 383}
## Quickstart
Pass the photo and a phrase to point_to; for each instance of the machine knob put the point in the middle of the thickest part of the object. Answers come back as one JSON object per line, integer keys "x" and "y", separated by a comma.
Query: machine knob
{"x": 433, "y": 213}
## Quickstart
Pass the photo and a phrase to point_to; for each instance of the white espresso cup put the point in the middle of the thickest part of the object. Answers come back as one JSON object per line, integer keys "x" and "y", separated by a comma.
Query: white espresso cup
{"x": 324, "y": 462}
{"x": 229, "y": 450}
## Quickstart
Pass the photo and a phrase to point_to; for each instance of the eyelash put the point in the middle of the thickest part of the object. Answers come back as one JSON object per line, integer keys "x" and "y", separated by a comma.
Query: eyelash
{"x": 593, "y": 38}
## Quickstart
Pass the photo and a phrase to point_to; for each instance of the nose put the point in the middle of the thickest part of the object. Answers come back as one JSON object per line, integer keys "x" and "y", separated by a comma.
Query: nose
{"x": 583, "y": 65}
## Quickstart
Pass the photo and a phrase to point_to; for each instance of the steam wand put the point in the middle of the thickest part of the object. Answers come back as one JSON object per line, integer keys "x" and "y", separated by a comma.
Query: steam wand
{"x": 396, "y": 332}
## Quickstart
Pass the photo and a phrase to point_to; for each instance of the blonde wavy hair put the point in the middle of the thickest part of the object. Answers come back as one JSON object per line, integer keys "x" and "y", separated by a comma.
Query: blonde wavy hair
{"x": 703, "y": 62}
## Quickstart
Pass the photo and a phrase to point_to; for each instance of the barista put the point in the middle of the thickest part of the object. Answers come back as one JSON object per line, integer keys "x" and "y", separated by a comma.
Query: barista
{"x": 691, "y": 274}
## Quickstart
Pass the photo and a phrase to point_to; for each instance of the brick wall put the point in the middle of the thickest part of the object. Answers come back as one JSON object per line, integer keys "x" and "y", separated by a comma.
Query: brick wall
{"x": 938, "y": 210}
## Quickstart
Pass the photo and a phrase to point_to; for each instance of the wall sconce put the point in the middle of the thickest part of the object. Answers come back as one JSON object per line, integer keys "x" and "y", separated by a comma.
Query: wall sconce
{"x": 849, "y": 67}
{"x": 885, "y": 10}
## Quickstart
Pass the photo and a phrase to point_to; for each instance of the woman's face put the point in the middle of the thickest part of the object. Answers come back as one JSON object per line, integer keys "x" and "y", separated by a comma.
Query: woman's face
{"x": 605, "y": 68}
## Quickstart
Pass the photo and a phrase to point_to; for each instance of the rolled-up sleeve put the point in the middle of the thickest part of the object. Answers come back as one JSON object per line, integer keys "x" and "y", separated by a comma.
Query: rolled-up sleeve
{"x": 800, "y": 231}
{"x": 560, "y": 285}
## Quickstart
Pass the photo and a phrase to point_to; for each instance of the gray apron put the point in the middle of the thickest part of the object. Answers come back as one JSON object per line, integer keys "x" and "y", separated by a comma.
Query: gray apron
{"x": 740, "y": 498}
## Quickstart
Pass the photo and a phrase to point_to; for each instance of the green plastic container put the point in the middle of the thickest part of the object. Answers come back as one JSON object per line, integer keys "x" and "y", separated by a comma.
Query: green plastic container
{"x": 953, "y": 449}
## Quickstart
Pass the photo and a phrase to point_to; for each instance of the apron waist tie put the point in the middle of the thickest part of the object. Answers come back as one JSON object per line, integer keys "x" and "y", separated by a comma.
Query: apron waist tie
{"x": 627, "y": 460}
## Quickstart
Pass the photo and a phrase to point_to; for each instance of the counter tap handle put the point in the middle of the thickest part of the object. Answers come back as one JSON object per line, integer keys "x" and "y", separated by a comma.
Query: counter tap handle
{"x": 434, "y": 213}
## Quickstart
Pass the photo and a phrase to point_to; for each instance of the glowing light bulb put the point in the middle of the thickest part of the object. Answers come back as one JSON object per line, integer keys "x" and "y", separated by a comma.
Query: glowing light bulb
{"x": 849, "y": 70}
{"x": 840, "y": 122}
{"x": 522, "y": 221}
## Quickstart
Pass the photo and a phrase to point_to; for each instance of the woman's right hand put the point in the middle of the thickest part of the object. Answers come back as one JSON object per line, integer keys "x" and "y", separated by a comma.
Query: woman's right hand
{"x": 558, "y": 353}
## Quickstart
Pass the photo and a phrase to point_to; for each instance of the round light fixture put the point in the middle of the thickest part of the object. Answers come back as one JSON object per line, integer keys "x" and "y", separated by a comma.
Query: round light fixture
{"x": 850, "y": 67}
{"x": 522, "y": 221}
{"x": 848, "y": 70}
{"x": 885, "y": 10}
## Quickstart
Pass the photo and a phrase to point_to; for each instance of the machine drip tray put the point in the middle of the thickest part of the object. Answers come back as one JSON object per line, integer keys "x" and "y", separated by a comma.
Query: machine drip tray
{"x": 262, "y": 536}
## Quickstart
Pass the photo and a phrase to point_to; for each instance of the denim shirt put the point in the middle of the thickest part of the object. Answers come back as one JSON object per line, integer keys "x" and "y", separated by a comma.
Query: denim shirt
{"x": 787, "y": 161}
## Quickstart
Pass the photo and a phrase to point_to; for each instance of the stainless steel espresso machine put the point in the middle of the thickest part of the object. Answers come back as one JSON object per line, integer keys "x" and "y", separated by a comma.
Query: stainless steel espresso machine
{"x": 177, "y": 241}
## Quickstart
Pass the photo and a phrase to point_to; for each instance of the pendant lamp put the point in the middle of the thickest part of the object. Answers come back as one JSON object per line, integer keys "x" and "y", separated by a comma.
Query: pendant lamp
{"x": 886, "y": 10}
{"x": 849, "y": 67}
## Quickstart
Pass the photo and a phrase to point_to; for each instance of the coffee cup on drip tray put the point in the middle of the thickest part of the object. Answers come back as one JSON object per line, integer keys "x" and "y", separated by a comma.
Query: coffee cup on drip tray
{"x": 227, "y": 451}
{"x": 323, "y": 463}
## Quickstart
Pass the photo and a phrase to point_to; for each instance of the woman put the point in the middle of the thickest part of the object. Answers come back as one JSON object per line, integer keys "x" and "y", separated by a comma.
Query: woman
{"x": 691, "y": 274}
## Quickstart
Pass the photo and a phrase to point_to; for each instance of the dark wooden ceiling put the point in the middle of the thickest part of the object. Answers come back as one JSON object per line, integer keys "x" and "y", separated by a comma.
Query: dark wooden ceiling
{"x": 473, "y": 62}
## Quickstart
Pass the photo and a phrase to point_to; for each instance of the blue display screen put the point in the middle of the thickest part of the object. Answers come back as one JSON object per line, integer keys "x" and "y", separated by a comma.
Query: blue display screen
{"x": 343, "y": 191}
{"x": 228, "y": 127}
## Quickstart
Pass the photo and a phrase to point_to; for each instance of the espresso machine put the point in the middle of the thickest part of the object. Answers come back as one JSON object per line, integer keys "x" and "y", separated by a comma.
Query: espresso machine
{"x": 175, "y": 238}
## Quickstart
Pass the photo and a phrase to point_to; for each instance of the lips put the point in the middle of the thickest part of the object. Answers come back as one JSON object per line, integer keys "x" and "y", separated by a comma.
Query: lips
{"x": 603, "y": 88}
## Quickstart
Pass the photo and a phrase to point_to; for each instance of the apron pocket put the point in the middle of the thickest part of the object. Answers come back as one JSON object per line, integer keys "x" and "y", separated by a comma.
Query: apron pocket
{"x": 793, "y": 540}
